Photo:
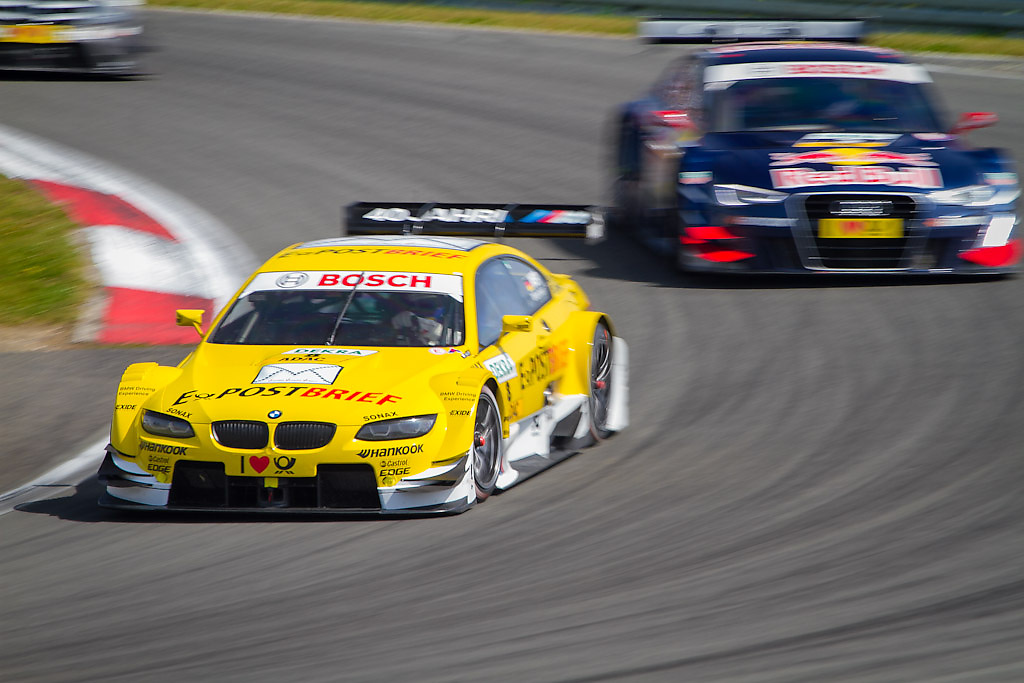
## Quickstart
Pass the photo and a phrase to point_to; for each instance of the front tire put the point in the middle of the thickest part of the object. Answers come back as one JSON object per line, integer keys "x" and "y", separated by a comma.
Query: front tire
{"x": 486, "y": 450}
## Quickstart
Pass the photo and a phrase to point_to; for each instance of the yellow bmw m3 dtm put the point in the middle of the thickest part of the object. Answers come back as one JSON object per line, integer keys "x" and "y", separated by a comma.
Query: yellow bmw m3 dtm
{"x": 385, "y": 373}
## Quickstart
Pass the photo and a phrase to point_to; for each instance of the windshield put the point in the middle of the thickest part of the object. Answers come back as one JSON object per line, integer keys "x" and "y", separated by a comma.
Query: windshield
{"x": 820, "y": 104}
{"x": 371, "y": 318}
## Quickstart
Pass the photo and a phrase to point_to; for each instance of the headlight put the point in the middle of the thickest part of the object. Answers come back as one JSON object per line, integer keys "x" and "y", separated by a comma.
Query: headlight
{"x": 397, "y": 428}
{"x": 971, "y": 195}
{"x": 166, "y": 425}
{"x": 741, "y": 195}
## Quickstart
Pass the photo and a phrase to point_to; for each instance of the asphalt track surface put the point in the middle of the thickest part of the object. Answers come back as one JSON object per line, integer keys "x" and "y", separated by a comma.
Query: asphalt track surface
{"x": 821, "y": 483}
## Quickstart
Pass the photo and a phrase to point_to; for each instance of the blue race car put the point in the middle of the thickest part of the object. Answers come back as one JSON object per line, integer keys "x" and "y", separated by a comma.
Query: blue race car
{"x": 786, "y": 147}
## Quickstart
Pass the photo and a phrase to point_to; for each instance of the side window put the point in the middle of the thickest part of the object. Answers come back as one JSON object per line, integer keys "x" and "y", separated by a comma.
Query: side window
{"x": 495, "y": 297}
{"x": 506, "y": 286}
{"x": 531, "y": 284}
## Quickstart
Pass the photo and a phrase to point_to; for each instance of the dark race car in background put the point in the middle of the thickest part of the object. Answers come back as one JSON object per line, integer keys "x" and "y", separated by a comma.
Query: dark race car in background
{"x": 805, "y": 152}
{"x": 82, "y": 36}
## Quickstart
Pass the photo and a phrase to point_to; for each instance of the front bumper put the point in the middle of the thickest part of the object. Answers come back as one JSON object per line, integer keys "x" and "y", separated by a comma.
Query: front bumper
{"x": 201, "y": 486}
{"x": 785, "y": 238}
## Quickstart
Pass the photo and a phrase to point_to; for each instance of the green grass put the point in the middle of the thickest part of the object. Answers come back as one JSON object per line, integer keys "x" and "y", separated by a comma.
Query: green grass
{"x": 571, "y": 23}
{"x": 41, "y": 271}
{"x": 387, "y": 11}
{"x": 953, "y": 44}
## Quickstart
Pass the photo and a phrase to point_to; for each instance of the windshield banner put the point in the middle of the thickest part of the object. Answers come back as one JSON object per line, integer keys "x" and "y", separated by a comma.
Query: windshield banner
{"x": 904, "y": 73}
{"x": 364, "y": 281}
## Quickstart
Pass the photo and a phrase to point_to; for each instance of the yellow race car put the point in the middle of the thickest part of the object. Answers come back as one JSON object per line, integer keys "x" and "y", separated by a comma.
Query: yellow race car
{"x": 386, "y": 373}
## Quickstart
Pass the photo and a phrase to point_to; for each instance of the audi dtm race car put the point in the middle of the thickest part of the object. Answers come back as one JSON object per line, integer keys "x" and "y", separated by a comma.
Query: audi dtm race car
{"x": 812, "y": 156}
{"x": 381, "y": 373}
{"x": 90, "y": 36}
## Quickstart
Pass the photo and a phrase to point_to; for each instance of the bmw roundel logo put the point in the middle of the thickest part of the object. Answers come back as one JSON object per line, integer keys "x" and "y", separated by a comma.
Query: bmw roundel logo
{"x": 274, "y": 414}
{"x": 291, "y": 280}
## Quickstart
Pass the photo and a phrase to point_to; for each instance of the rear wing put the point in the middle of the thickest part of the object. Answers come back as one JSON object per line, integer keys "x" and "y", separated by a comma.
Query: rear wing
{"x": 474, "y": 220}
{"x": 695, "y": 31}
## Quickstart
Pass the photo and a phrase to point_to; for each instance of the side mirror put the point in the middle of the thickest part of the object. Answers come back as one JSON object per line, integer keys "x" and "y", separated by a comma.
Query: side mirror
{"x": 516, "y": 323}
{"x": 972, "y": 120}
{"x": 190, "y": 316}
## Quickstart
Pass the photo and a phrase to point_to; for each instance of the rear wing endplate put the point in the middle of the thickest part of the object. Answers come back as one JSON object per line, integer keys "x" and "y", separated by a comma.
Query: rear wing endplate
{"x": 695, "y": 31}
{"x": 474, "y": 220}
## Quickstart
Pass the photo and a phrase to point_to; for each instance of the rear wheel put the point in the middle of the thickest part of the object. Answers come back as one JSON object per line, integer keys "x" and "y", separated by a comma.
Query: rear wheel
{"x": 486, "y": 450}
{"x": 600, "y": 389}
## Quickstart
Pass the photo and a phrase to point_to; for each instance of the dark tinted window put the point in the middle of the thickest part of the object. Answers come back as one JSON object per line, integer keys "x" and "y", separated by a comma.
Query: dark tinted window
{"x": 496, "y": 296}
{"x": 821, "y": 104}
{"x": 507, "y": 286}
{"x": 529, "y": 283}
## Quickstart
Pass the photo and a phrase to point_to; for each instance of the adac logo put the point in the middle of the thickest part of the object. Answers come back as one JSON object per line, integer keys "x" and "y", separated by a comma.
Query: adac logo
{"x": 851, "y": 156}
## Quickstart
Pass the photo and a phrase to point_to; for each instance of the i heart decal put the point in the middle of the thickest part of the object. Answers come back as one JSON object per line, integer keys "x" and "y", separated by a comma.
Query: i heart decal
{"x": 259, "y": 462}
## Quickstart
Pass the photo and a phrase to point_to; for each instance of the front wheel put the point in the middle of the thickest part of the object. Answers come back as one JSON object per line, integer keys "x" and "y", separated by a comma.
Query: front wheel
{"x": 486, "y": 450}
{"x": 600, "y": 389}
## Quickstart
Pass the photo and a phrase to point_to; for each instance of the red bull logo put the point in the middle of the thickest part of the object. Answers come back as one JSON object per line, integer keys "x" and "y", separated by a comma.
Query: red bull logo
{"x": 905, "y": 176}
{"x": 851, "y": 156}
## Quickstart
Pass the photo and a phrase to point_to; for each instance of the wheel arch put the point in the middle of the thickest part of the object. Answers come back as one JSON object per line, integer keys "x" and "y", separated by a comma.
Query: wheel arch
{"x": 576, "y": 379}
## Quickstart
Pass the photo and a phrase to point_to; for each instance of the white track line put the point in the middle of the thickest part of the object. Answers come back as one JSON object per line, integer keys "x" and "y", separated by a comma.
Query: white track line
{"x": 59, "y": 479}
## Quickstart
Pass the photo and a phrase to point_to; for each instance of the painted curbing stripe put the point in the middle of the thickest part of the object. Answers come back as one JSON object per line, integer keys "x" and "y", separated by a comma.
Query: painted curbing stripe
{"x": 89, "y": 207}
{"x": 139, "y": 260}
{"x": 131, "y": 315}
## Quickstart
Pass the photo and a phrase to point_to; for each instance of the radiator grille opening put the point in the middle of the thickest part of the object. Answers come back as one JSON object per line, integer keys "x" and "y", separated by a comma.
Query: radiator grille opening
{"x": 303, "y": 435}
{"x": 241, "y": 433}
{"x": 348, "y": 486}
{"x": 198, "y": 484}
{"x": 868, "y": 252}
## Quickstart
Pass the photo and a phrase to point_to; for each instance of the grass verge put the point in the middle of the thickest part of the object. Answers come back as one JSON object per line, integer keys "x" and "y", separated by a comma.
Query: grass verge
{"x": 437, "y": 14}
{"x": 41, "y": 271}
{"x": 572, "y": 23}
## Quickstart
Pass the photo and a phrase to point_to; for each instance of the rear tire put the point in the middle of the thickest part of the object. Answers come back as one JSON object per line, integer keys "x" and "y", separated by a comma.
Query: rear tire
{"x": 600, "y": 387}
{"x": 486, "y": 449}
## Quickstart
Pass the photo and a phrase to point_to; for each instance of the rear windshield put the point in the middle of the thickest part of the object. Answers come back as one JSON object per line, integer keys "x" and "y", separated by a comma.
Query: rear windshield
{"x": 323, "y": 317}
{"x": 820, "y": 104}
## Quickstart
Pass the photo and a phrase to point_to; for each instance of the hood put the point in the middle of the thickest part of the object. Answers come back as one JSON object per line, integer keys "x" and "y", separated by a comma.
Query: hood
{"x": 801, "y": 162}
{"x": 328, "y": 384}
